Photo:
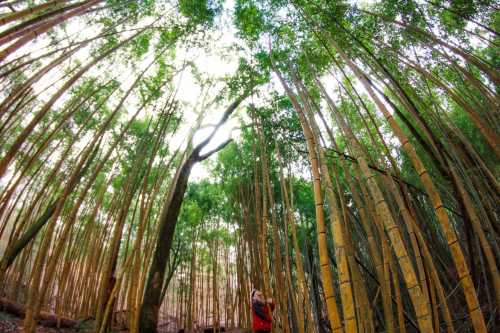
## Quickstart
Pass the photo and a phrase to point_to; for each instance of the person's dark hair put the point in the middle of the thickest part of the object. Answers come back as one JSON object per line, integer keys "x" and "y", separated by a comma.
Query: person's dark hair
{"x": 253, "y": 292}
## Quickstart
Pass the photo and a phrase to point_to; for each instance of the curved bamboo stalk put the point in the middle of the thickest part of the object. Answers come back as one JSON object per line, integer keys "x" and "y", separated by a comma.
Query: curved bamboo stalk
{"x": 449, "y": 232}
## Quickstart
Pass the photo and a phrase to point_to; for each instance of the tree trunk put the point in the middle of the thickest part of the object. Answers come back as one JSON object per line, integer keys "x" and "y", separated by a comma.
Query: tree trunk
{"x": 168, "y": 219}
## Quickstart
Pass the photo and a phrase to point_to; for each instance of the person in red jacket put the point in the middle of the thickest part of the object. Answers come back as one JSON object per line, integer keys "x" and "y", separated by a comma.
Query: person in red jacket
{"x": 262, "y": 319}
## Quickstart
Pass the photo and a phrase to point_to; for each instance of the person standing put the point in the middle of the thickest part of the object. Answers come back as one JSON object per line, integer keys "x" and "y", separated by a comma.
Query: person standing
{"x": 261, "y": 312}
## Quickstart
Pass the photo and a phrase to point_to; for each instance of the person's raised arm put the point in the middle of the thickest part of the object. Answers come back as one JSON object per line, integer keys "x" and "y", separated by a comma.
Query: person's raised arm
{"x": 270, "y": 301}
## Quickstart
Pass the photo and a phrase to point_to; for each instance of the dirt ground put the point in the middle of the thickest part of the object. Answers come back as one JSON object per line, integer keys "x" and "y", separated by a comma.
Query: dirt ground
{"x": 12, "y": 324}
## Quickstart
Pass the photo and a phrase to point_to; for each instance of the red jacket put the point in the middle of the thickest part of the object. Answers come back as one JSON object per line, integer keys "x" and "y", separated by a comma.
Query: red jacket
{"x": 262, "y": 319}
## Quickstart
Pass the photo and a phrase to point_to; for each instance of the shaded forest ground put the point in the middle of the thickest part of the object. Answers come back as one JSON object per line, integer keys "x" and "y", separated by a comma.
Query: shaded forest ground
{"x": 12, "y": 315}
{"x": 13, "y": 324}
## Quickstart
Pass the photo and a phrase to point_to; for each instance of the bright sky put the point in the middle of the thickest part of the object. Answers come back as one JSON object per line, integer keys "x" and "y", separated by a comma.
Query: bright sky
{"x": 217, "y": 63}
{"x": 214, "y": 62}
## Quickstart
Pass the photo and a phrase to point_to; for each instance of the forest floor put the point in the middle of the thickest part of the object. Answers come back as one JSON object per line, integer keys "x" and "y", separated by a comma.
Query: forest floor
{"x": 12, "y": 324}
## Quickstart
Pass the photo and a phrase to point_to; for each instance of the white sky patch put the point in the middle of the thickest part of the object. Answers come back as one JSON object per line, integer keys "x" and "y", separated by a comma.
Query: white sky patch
{"x": 216, "y": 64}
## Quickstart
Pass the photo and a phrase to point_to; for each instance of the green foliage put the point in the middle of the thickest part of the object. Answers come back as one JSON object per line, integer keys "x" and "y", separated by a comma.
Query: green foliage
{"x": 140, "y": 45}
{"x": 200, "y": 12}
{"x": 168, "y": 36}
{"x": 152, "y": 87}
{"x": 303, "y": 199}
{"x": 246, "y": 78}
{"x": 249, "y": 20}
{"x": 133, "y": 10}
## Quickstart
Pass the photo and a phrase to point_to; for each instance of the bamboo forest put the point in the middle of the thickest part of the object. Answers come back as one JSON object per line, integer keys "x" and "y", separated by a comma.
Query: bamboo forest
{"x": 285, "y": 166}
